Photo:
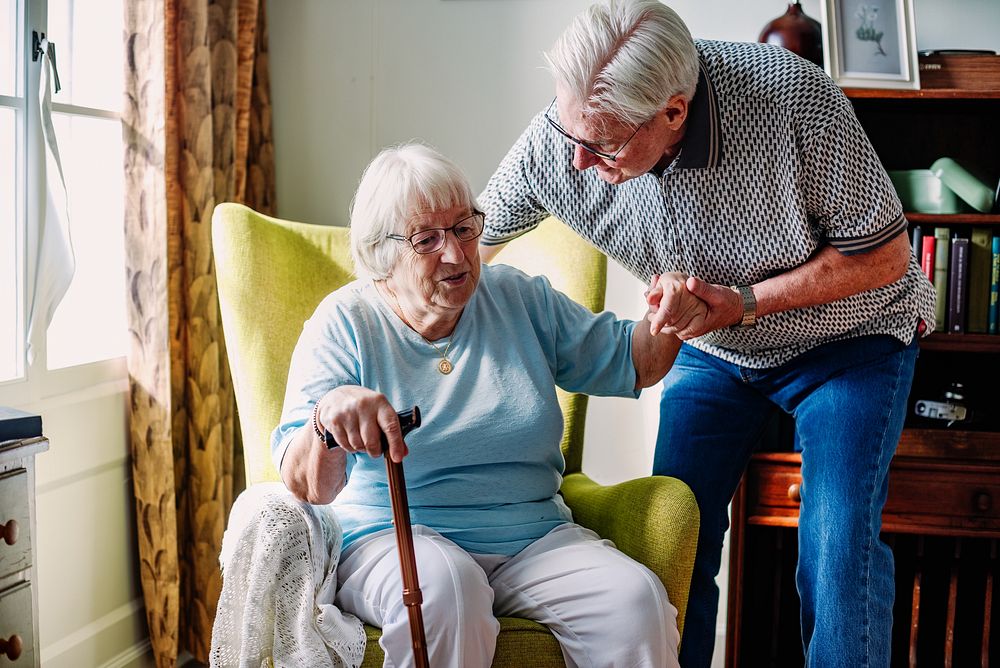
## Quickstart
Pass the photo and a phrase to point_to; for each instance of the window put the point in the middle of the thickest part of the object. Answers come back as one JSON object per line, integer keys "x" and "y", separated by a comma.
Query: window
{"x": 11, "y": 326}
{"x": 88, "y": 331}
{"x": 11, "y": 113}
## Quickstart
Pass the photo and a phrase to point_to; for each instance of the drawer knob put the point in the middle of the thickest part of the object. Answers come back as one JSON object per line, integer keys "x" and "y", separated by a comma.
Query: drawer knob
{"x": 983, "y": 502}
{"x": 795, "y": 492}
{"x": 9, "y": 532}
{"x": 12, "y": 648}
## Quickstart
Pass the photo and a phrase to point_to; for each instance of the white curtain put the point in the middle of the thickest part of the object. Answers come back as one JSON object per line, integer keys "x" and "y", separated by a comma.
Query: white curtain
{"x": 50, "y": 261}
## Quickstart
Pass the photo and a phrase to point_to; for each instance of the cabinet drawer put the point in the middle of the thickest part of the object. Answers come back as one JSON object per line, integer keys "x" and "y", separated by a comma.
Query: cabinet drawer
{"x": 925, "y": 496}
{"x": 942, "y": 498}
{"x": 16, "y": 626}
{"x": 15, "y": 527}
{"x": 773, "y": 491}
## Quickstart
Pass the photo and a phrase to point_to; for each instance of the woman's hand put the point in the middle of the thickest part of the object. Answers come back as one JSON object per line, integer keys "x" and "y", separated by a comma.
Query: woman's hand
{"x": 357, "y": 417}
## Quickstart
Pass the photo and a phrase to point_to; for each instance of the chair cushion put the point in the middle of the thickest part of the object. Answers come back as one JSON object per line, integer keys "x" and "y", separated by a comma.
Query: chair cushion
{"x": 519, "y": 638}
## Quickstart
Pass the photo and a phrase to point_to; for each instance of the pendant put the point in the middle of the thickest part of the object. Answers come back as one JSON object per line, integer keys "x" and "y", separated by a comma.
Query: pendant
{"x": 445, "y": 367}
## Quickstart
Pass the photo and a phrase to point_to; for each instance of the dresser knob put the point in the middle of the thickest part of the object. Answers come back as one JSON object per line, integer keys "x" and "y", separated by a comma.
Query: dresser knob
{"x": 795, "y": 492}
{"x": 9, "y": 532}
{"x": 12, "y": 648}
{"x": 983, "y": 502}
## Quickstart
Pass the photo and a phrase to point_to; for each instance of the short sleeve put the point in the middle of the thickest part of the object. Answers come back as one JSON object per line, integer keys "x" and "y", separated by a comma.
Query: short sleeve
{"x": 509, "y": 202}
{"x": 847, "y": 191}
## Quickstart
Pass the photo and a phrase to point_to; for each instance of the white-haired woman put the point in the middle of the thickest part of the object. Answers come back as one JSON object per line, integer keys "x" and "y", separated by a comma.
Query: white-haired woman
{"x": 480, "y": 349}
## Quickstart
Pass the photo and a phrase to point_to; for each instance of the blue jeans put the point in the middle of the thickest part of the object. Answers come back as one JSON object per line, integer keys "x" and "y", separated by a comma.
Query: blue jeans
{"x": 848, "y": 399}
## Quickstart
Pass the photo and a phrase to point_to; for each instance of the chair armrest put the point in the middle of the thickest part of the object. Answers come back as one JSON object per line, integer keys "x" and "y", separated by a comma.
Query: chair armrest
{"x": 654, "y": 520}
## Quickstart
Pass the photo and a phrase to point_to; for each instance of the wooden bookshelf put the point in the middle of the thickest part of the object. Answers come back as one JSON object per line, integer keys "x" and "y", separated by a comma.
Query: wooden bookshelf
{"x": 972, "y": 343}
{"x": 946, "y": 443}
{"x": 922, "y": 94}
{"x": 954, "y": 219}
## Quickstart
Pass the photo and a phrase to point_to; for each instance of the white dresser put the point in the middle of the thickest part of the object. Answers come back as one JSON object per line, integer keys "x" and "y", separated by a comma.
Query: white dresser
{"x": 18, "y": 587}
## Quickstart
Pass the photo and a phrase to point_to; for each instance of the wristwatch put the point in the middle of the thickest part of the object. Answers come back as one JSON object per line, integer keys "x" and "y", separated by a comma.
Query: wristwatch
{"x": 749, "y": 306}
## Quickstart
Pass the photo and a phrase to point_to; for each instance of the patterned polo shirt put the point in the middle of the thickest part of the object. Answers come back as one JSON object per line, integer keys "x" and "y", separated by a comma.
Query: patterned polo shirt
{"x": 773, "y": 166}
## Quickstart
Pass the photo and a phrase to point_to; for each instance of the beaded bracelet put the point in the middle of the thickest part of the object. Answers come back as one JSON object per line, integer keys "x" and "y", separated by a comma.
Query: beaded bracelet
{"x": 315, "y": 423}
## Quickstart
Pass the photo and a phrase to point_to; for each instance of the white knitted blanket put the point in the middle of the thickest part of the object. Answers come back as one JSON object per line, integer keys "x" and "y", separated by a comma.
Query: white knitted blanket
{"x": 279, "y": 564}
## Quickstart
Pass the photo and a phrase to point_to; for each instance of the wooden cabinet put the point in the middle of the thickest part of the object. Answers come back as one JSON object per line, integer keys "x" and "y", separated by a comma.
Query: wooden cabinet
{"x": 942, "y": 516}
{"x": 18, "y": 587}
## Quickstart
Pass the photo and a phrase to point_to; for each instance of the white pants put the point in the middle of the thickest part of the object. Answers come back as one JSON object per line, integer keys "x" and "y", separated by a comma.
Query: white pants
{"x": 604, "y": 608}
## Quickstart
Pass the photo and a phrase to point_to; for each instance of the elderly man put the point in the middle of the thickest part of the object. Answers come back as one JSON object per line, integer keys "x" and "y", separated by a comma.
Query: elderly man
{"x": 738, "y": 178}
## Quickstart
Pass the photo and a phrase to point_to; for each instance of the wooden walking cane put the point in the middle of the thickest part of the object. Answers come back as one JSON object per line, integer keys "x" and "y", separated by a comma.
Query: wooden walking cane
{"x": 412, "y": 598}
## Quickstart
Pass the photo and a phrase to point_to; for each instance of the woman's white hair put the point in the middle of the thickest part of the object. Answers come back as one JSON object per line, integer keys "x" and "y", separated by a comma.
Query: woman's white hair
{"x": 625, "y": 59}
{"x": 398, "y": 182}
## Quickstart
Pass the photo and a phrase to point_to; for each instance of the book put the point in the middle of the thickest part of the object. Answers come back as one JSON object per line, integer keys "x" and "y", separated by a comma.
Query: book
{"x": 980, "y": 260}
{"x": 16, "y": 425}
{"x": 958, "y": 286}
{"x": 941, "y": 235}
{"x": 927, "y": 257}
{"x": 917, "y": 241}
{"x": 994, "y": 321}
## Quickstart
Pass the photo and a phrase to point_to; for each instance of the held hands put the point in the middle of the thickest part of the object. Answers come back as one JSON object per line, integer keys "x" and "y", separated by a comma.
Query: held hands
{"x": 357, "y": 417}
{"x": 689, "y": 307}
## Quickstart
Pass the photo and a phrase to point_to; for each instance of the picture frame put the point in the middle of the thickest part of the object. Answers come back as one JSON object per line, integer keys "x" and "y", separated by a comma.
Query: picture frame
{"x": 870, "y": 43}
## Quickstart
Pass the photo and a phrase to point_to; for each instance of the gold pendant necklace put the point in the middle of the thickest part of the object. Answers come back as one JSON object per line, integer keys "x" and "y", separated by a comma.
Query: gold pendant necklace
{"x": 444, "y": 366}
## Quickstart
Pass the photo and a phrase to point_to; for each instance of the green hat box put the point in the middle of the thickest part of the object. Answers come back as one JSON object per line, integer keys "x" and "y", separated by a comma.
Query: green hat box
{"x": 946, "y": 187}
{"x": 921, "y": 191}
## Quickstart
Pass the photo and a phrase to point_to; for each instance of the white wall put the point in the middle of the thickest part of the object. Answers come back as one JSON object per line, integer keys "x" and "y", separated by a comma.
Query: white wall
{"x": 351, "y": 77}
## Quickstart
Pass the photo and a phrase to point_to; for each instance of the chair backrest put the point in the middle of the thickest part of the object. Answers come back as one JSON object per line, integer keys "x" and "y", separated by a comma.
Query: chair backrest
{"x": 273, "y": 273}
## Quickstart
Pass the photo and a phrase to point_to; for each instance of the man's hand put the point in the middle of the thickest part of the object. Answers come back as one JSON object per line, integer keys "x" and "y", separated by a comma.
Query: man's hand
{"x": 725, "y": 308}
{"x": 672, "y": 307}
{"x": 689, "y": 307}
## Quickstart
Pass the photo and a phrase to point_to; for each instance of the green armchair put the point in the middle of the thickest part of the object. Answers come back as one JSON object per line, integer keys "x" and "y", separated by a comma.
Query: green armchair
{"x": 272, "y": 274}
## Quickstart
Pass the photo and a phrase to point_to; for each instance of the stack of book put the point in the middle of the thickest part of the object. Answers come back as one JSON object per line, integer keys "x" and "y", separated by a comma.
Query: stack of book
{"x": 964, "y": 266}
{"x": 16, "y": 425}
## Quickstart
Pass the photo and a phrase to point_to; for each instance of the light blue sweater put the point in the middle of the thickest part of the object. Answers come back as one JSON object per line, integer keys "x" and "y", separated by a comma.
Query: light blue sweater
{"x": 485, "y": 467}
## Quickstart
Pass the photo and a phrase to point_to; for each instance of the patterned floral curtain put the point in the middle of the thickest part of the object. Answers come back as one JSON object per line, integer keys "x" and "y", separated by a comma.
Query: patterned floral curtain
{"x": 198, "y": 131}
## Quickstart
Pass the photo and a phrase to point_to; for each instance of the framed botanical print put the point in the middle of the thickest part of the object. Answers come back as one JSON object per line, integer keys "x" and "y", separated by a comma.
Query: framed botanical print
{"x": 870, "y": 43}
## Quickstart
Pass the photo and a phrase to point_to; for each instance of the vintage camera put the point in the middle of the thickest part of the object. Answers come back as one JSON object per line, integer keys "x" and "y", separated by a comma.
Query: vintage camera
{"x": 951, "y": 407}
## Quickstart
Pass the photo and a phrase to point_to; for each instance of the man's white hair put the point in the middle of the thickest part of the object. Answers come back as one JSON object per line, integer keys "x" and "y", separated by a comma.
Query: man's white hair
{"x": 625, "y": 59}
{"x": 398, "y": 182}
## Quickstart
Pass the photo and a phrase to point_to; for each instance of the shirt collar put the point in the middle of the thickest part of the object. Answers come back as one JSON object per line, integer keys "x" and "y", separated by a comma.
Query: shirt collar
{"x": 702, "y": 143}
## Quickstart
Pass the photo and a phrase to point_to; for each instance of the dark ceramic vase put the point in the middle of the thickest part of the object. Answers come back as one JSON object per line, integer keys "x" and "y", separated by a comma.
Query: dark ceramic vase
{"x": 796, "y": 32}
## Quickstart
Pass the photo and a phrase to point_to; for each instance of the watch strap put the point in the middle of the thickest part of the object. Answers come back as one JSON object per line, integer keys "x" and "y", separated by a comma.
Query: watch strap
{"x": 749, "y": 306}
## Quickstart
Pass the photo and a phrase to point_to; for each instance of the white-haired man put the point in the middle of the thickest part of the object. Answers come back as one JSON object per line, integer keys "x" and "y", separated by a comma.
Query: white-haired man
{"x": 738, "y": 177}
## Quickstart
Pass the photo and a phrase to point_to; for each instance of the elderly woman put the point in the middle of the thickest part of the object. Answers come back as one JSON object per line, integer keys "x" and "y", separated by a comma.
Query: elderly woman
{"x": 481, "y": 350}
